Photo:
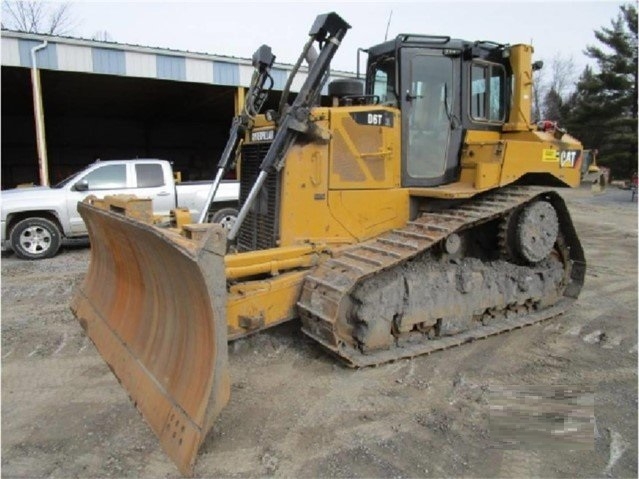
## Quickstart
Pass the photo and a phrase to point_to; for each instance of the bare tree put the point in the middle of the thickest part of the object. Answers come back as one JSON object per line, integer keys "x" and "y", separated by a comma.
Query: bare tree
{"x": 102, "y": 36}
{"x": 563, "y": 75}
{"x": 553, "y": 83}
{"x": 37, "y": 17}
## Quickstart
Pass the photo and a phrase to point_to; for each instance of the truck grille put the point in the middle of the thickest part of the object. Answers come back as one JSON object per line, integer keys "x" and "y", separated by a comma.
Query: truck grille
{"x": 260, "y": 229}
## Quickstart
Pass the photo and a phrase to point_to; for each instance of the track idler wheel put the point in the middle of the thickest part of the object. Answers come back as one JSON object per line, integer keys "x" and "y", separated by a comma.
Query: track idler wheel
{"x": 528, "y": 235}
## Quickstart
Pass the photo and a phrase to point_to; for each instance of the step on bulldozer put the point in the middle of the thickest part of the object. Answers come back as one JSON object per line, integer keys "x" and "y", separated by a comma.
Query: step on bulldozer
{"x": 416, "y": 211}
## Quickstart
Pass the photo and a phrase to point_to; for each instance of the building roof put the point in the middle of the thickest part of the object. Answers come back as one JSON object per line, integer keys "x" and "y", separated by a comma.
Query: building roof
{"x": 102, "y": 57}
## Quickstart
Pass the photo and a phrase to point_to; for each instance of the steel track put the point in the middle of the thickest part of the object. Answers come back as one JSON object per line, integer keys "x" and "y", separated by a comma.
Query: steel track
{"x": 325, "y": 300}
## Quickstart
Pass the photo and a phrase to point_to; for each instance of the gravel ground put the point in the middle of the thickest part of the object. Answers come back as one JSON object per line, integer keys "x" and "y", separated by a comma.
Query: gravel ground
{"x": 295, "y": 412}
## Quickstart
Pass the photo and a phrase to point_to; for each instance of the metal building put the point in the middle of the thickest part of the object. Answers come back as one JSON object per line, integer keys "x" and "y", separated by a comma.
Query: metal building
{"x": 109, "y": 100}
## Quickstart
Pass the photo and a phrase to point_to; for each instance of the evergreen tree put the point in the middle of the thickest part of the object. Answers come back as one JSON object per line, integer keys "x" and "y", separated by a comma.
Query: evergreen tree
{"x": 602, "y": 113}
{"x": 553, "y": 106}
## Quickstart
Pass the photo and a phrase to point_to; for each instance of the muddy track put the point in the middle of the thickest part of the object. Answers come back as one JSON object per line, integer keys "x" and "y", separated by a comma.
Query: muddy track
{"x": 331, "y": 287}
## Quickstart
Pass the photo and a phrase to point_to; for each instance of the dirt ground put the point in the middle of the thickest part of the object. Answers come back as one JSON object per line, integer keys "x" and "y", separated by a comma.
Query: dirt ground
{"x": 296, "y": 412}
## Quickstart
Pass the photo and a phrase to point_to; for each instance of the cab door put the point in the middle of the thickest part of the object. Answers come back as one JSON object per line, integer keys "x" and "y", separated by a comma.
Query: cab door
{"x": 431, "y": 126}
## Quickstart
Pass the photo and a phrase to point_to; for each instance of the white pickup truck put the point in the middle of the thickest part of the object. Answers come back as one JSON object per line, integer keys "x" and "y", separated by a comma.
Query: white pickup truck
{"x": 37, "y": 220}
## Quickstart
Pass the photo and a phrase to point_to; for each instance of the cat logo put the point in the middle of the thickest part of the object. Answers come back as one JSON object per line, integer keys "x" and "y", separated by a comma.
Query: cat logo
{"x": 568, "y": 158}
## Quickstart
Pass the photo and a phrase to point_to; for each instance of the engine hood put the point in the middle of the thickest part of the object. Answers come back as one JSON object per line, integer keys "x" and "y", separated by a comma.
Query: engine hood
{"x": 24, "y": 192}
{"x": 30, "y": 198}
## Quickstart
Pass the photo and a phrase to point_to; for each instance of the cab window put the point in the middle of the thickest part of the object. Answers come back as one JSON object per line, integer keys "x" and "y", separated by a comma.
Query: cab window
{"x": 487, "y": 95}
{"x": 383, "y": 81}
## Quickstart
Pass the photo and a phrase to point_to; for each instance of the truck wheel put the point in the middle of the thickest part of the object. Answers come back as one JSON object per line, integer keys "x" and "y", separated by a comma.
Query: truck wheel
{"x": 226, "y": 217}
{"x": 35, "y": 238}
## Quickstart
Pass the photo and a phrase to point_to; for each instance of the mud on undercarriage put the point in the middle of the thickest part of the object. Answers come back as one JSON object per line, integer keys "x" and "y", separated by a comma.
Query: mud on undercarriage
{"x": 446, "y": 278}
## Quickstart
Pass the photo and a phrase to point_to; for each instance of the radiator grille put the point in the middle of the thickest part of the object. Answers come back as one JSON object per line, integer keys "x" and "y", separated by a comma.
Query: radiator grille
{"x": 260, "y": 229}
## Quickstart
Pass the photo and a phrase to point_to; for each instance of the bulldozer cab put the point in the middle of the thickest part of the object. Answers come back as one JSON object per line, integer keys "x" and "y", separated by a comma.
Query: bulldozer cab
{"x": 443, "y": 87}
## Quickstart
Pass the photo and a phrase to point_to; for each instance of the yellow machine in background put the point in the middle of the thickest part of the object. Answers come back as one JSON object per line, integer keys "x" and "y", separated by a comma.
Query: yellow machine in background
{"x": 415, "y": 214}
{"x": 591, "y": 173}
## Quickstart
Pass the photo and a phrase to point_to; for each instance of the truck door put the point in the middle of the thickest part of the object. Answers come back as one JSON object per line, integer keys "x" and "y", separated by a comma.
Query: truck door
{"x": 154, "y": 181}
{"x": 105, "y": 179}
{"x": 431, "y": 130}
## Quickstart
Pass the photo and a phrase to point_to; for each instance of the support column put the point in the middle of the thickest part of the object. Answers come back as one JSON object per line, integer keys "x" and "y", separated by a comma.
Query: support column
{"x": 38, "y": 112}
{"x": 240, "y": 94}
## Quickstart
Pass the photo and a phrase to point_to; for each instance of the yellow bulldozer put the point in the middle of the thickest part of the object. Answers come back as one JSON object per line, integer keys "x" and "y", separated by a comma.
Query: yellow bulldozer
{"x": 416, "y": 211}
{"x": 593, "y": 174}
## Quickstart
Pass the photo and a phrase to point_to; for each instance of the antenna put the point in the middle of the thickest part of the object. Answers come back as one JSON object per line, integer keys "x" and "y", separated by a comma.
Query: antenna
{"x": 388, "y": 25}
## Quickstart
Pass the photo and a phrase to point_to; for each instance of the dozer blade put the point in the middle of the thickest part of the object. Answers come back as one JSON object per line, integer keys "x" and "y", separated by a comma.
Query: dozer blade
{"x": 597, "y": 180}
{"x": 153, "y": 303}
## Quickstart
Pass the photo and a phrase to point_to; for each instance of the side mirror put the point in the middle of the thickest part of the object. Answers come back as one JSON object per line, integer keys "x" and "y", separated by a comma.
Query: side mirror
{"x": 82, "y": 185}
{"x": 538, "y": 65}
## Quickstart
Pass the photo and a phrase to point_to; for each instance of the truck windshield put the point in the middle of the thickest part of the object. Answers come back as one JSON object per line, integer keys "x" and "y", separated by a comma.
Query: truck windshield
{"x": 66, "y": 181}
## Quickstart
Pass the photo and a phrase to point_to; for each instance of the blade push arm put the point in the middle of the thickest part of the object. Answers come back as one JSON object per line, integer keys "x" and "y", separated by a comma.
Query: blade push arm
{"x": 328, "y": 30}
{"x": 258, "y": 92}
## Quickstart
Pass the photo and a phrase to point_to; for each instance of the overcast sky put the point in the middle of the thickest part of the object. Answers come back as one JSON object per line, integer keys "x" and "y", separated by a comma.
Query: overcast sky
{"x": 238, "y": 28}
